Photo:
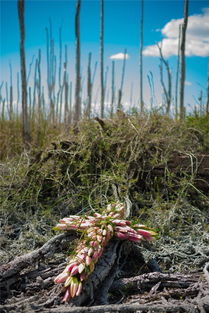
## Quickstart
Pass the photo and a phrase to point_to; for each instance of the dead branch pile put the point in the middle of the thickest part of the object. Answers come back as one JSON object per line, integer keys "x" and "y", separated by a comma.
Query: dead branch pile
{"x": 27, "y": 283}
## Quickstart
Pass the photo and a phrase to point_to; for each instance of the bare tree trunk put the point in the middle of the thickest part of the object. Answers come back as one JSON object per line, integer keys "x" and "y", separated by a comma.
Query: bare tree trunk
{"x": 113, "y": 89}
{"x": 39, "y": 82}
{"x": 2, "y": 101}
{"x": 207, "y": 102}
{"x": 122, "y": 81}
{"x": 70, "y": 98}
{"x": 102, "y": 56}
{"x": 18, "y": 91}
{"x": 141, "y": 57}
{"x": 30, "y": 102}
{"x": 89, "y": 88}
{"x": 60, "y": 74}
{"x": 78, "y": 78}
{"x": 51, "y": 71}
{"x": 34, "y": 89}
{"x": 26, "y": 129}
{"x": 7, "y": 96}
{"x": 177, "y": 74}
{"x": 167, "y": 91}
{"x": 65, "y": 83}
{"x": 10, "y": 95}
{"x": 182, "y": 59}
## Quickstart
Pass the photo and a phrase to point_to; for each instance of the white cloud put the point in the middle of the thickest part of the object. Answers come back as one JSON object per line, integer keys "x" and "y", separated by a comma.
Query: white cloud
{"x": 197, "y": 37}
{"x": 119, "y": 56}
{"x": 188, "y": 83}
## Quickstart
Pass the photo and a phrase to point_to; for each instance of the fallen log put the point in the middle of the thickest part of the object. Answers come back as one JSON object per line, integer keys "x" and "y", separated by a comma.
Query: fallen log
{"x": 147, "y": 281}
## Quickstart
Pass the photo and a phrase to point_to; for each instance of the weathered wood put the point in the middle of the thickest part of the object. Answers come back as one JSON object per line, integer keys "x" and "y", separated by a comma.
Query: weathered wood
{"x": 19, "y": 263}
{"x": 147, "y": 281}
{"x": 133, "y": 307}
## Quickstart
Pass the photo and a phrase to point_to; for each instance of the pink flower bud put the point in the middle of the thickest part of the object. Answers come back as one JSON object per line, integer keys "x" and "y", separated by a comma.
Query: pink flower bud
{"x": 110, "y": 228}
{"x": 74, "y": 270}
{"x": 67, "y": 295}
{"x": 121, "y": 235}
{"x": 88, "y": 260}
{"x": 81, "y": 267}
{"x": 135, "y": 238}
{"x": 68, "y": 281}
{"x": 145, "y": 234}
{"x": 61, "y": 278}
{"x": 99, "y": 238}
{"x": 73, "y": 289}
{"x": 95, "y": 255}
{"x": 81, "y": 256}
{"x": 116, "y": 215}
{"x": 90, "y": 252}
{"x": 93, "y": 244}
{"x": 61, "y": 226}
{"x": 97, "y": 215}
{"x": 79, "y": 289}
{"x": 70, "y": 266}
{"x": 83, "y": 276}
{"x": 119, "y": 222}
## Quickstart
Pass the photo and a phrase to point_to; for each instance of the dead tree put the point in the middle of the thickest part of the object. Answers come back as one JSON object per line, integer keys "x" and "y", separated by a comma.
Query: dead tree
{"x": 182, "y": 59}
{"x": 207, "y": 102}
{"x": 102, "y": 56}
{"x": 177, "y": 73}
{"x": 120, "y": 92}
{"x": 59, "y": 100}
{"x": 151, "y": 86}
{"x": 51, "y": 70}
{"x": 26, "y": 128}
{"x": 34, "y": 88}
{"x": 167, "y": 91}
{"x": 89, "y": 88}
{"x": 2, "y": 101}
{"x": 18, "y": 91}
{"x": 113, "y": 89}
{"x": 141, "y": 58}
{"x": 78, "y": 57}
{"x": 39, "y": 81}
{"x": 70, "y": 101}
{"x": 10, "y": 94}
{"x": 66, "y": 87}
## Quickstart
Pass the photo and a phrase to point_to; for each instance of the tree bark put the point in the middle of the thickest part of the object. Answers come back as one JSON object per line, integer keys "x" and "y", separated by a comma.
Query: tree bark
{"x": 26, "y": 128}
{"x": 89, "y": 88}
{"x": 120, "y": 93}
{"x": 141, "y": 57}
{"x": 78, "y": 57}
{"x": 102, "y": 56}
{"x": 207, "y": 102}
{"x": 182, "y": 59}
{"x": 177, "y": 74}
{"x": 167, "y": 91}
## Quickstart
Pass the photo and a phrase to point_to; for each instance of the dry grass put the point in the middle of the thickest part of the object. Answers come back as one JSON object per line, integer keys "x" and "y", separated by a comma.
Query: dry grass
{"x": 88, "y": 166}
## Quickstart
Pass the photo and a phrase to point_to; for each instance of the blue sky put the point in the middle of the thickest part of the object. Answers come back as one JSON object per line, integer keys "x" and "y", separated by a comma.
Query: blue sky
{"x": 121, "y": 31}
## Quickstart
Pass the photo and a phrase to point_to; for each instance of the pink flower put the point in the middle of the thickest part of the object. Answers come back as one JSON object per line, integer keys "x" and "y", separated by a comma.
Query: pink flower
{"x": 74, "y": 270}
{"x": 88, "y": 260}
{"x": 79, "y": 289}
{"x": 145, "y": 234}
{"x": 67, "y": 295}
{"x": 135, "y": 238}
{"x": 61, "y": 278}
{"x": 121, "y": 235}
